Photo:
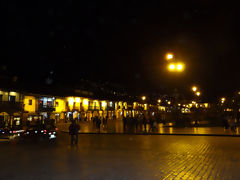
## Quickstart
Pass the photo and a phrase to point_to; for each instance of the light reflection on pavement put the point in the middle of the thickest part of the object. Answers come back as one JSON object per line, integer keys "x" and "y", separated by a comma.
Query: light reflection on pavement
{"x": 117, "y": 127}
{"x": 103, "y": 156}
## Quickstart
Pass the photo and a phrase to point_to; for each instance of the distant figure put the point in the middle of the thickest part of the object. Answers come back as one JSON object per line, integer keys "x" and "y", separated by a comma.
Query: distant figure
{"x": 225, "y": 122}
{"x": 145, "y": 123}
{"x": 73, "y": 131}
{"x": 232, "y": 124}
{"x": 151, "y": 123}
{"x": 124, "y": 123}
{"x": 98, "y": 123}
{"x": 28, "y": 123}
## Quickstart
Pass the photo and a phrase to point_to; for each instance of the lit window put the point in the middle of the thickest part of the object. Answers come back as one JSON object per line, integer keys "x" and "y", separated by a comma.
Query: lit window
{"x": 12, "y": 98}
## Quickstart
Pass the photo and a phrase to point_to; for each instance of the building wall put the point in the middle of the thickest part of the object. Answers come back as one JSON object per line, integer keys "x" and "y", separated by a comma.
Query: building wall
{"x": 77, "y": 101}
{"x": 16, "y": 94}
{"x": 27, "y": 107}
{"x": 104, "y": 105}
{"x": 85, "y": 104}
{"x": 5, "y": 95}
{"x": 61, "y": 105}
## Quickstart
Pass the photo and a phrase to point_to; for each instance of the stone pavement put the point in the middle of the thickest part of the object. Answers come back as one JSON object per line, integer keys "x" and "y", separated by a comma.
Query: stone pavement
{"x": 117, "y": 156}
{"x": 117, "y": 127}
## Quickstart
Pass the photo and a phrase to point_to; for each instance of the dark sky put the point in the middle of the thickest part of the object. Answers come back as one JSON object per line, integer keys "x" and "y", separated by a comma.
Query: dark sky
{"x": 123, "y": 42}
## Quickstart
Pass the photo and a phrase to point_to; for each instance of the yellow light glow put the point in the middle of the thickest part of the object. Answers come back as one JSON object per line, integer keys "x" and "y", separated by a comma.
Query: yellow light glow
{"x": 77, "y": 100}
{"x": 104, "y": 103}
{"x": 169, "y": 56}
{"x": 85, "y": 102}
{"x": 70, "y": 101}
{"x": 12, "y": 93}
{"x": 198, "y": 93}
{"x": 169, "y": 102}
{"x": 143, "y": 98}
{"x": 179, "y": 104}
{"x": 223, "y": 99}
{"x": 159, "y": 100}
{"x": 194, "y": 88}
{"x": 180, "y": 67}
{"x": 171, "y": 67}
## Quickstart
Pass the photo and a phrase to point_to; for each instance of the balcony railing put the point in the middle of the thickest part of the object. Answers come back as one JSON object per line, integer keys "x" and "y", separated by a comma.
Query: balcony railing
{"x": 46, "y": 108}
{"x": 8, "y": 106}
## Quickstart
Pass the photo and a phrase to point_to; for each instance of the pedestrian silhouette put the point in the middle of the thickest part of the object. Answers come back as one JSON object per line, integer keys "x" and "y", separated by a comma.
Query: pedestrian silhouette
{"x": 73, "y": 131}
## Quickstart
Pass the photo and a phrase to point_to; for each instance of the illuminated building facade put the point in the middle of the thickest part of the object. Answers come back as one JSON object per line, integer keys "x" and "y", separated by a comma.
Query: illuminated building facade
{"x": 21, "y": 108}
{"x": 11, "y": 108}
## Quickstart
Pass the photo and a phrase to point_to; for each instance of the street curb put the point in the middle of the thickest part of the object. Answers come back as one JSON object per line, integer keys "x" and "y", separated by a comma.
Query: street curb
{"x": 174, "y": 134}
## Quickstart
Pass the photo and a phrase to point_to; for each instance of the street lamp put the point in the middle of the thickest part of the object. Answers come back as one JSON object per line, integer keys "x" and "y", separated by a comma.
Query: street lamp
{"x": 171, "y": 67}
{"x": 179, "y": 67}
{"x": 169, "y": 56}
{"x": 194, "y": 88}
{"x": 223, "y": 99}
{"x": 159, "y": 100}
{"x": 143, "y": 98}
{"x": 198, "y": 93}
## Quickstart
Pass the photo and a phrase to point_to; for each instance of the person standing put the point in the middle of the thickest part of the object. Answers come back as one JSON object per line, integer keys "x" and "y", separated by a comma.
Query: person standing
{"x": 145, "y": 123}
{"x": 124, "y": 123}
{"x": 232, "y": 124}
{"x": 98, "y": 123}
{"x": 73, "y": 131}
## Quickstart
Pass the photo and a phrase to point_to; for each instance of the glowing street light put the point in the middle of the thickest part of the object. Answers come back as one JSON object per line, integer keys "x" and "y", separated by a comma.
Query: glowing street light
{"x": 159, "y": 100}
{"x": 198, "y": 93}
{"x": 223, "y": 99}
{"x": 194, "y": 88}
{"x": 169, "y": 102}
{"x": 169, "y": 56}
{"x": 143, "y": 98}
{"x": 171, "y": 67}
{"x": 176, "y": 67}
{"x": 180, "y": 67}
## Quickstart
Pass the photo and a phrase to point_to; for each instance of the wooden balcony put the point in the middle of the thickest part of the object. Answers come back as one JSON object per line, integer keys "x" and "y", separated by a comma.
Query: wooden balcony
{"x": 45, "y": 108}
{"x": 11, "y": 107}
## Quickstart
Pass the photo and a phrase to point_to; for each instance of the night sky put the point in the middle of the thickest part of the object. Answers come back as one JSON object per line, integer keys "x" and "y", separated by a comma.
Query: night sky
{"x": 123, "y": 42}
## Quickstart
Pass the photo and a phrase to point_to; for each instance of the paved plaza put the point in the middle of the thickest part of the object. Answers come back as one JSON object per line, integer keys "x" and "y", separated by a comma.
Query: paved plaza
{"x": 117, "y": 127}
{"x": 121, "y": 156}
